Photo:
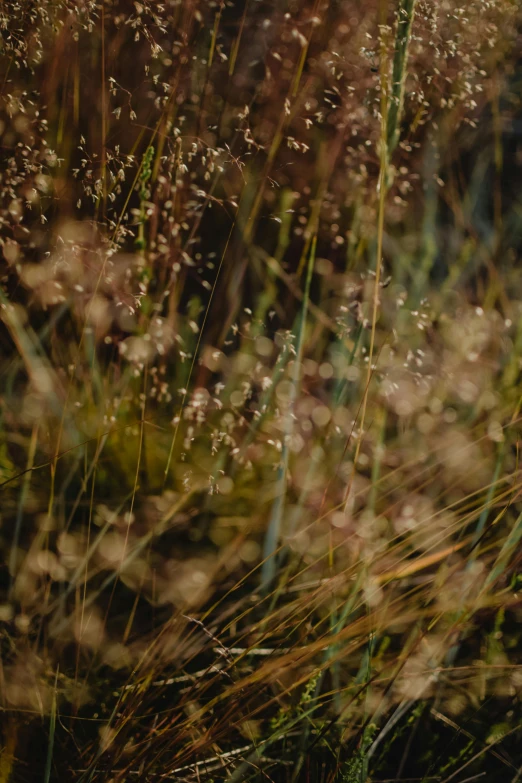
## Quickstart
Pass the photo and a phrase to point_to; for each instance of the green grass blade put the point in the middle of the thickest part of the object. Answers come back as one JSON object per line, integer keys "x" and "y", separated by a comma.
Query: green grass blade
{"x": 269, "y": 568}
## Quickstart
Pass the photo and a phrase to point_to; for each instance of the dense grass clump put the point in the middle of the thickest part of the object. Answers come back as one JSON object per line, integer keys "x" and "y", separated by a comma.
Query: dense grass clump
{"x": 261, "y": 346}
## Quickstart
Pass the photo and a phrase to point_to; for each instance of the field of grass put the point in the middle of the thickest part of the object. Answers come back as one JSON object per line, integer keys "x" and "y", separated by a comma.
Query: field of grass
{"x": 260, "y": 391}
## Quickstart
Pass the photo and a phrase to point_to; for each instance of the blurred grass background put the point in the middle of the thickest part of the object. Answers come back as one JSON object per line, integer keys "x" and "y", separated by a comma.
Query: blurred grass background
{"x": 261, "y": 336}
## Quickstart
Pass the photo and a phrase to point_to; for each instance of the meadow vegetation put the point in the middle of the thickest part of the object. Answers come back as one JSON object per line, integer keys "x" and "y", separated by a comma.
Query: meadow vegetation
{"x": 261, "y": 351}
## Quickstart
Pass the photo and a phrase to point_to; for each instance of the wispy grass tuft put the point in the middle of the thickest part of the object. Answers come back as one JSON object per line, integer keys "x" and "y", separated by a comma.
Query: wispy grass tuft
{"x": 260, "y": 350}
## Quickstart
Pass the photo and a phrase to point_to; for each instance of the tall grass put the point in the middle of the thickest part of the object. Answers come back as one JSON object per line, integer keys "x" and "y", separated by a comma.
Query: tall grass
{"x": 261, "y": 343}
